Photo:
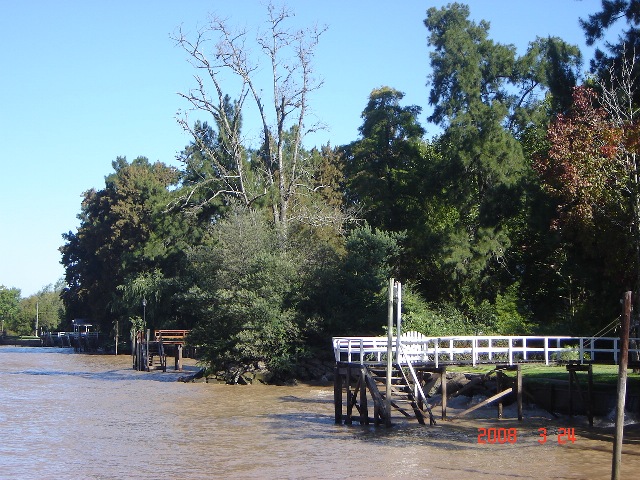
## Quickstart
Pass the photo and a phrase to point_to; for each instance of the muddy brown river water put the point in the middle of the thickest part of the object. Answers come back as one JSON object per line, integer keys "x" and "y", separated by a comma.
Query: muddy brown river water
{"x": 72, "y": 416}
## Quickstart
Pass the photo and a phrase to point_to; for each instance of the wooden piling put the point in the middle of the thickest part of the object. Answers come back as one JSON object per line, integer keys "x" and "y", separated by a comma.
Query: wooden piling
{"x": 178, "y": 362}
{"x": 443, "y": 389}
{"x": 498, "y": 390}
{"x": 573, "y": 379}
{"x": 622, "y": 388}
{"x": 364, "y": 409}
{"x": 347, "y": 382}
{"x": 519, "y": 390}
{"x": 337, "y": 395}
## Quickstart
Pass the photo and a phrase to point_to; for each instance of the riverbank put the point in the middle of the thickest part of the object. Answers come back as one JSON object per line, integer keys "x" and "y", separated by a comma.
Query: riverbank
{"x": 20, "y": 341}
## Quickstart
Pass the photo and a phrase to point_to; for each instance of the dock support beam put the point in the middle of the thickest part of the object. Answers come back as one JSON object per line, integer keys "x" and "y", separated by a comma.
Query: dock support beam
{"x": 337, "y": 395}
{"x": 519, "y": 390}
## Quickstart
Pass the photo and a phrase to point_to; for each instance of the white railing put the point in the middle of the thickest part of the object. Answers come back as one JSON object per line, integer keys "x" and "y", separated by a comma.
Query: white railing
{"x": 481, "y": 349}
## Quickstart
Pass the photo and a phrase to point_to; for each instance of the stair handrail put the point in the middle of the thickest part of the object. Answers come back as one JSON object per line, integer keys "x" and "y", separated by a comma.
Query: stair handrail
{"x": 416, "y": 382}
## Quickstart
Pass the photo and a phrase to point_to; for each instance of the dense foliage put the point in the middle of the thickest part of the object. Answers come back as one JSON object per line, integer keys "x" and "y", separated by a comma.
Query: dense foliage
{"x": 520, "y": 217}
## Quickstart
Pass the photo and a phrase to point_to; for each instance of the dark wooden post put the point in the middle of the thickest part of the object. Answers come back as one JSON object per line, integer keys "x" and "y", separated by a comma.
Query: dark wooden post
{"x": 364, "y": 409}
{"x": 519, "y": 390}
{"x": 498, "y": 390}
{"x": 337, "y": 395}
{"x": 571, "y": 373}
{"x": 443, "y": 389}
{"x": 590, "y": 395}
{"x": 420, "y": 375}
{"x": 347, "y": 382}
{"x": 622, "y": 387}
{"x": 178, "y": 362}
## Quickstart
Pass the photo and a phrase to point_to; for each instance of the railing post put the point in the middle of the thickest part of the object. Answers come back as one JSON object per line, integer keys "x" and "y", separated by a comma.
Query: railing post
{"x": 546, "y": 350}
{"x": 474, "y": 353}
{"x": 582, "y": 349}
{"x": 490, "y": 345}
{"x": 510, "y": 350}
{"x": 524, "y": 348}
{"x": 437, "y": 352}
{"x": 615, "y": 351}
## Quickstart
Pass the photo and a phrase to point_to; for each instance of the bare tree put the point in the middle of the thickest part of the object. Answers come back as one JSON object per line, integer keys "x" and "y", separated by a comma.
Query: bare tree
{"x": 283, "y": 107}
{"x": 617, "y": 98}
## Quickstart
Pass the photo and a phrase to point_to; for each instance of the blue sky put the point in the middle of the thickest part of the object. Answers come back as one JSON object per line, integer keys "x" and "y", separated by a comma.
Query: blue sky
{"x": 82, "y": 82}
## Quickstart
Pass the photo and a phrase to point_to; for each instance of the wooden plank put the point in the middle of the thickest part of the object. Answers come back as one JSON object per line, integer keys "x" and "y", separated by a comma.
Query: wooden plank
{"x": 378, "y": 401}
{"x": 472, "y": 383}
{"x": 486, "y": 402}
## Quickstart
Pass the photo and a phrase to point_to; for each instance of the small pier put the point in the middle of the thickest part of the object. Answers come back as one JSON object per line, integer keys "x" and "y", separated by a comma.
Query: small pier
{"x": 419, "y": 363}
{"x": 399, "y": 372}
{"x": 150, "y": 354}
{"x": 82, "y": 339}
{"x": 405, "y": 385}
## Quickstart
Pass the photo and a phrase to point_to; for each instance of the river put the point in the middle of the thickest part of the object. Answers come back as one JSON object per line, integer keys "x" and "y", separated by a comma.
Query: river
{"x": 72, "y": 416}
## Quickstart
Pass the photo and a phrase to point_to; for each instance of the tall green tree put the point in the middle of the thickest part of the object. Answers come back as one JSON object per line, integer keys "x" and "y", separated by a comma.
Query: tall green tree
{"x": 482, "y": 161}
{"x": 201, "y": 179}
{"x": 115, "y": 240}
{"x": 9, "y": 306}
{"x": 624, "y": 49}
{"x": 487, "y": 100}
{"x": 376, "y": 166}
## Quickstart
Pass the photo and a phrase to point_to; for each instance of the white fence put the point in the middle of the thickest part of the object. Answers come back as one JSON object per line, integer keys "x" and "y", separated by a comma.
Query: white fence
{"x": 482, "y": 349}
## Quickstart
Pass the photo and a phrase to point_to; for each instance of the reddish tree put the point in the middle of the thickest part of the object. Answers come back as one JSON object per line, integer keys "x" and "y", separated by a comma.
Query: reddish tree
{"x": 582, "y": 169}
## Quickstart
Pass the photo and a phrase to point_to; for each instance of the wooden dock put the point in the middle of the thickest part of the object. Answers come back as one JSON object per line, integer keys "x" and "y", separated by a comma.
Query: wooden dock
{"x": 360, "y": 389}
{"x": 398, "y": 371}
{"x": 417, "y": 361}
{"x": 148, "y": 354}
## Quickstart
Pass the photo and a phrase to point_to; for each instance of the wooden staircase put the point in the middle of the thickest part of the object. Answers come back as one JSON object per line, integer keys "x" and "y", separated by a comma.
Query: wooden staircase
{"x": 157, "y": 357}
{"x": 406, "y": 394}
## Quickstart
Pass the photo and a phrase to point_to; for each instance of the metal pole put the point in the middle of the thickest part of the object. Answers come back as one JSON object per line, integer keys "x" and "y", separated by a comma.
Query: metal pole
{"x": 389, "y": 353}
{"x": 398, "y": 298}
{"x": 622, "y": 387}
